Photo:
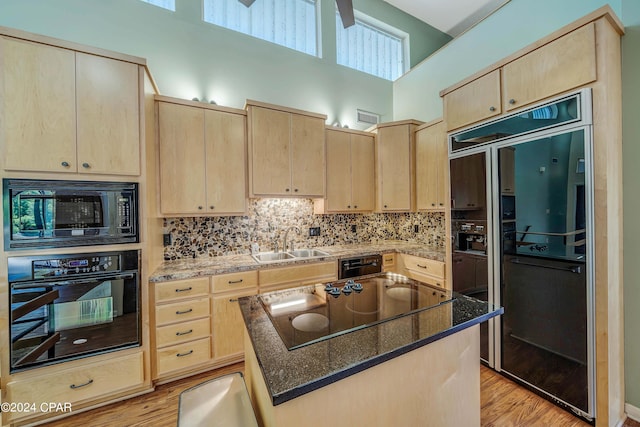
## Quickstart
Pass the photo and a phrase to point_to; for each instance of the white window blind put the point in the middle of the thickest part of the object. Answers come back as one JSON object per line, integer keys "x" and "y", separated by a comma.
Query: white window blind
{"x": 165, "y": 4}
{"x": 370, "y": 49}
{"x": 290, "y": 23}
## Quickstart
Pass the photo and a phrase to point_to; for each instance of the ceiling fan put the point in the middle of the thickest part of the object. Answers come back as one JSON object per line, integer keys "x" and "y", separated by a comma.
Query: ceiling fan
{"x": 345, "y": 8}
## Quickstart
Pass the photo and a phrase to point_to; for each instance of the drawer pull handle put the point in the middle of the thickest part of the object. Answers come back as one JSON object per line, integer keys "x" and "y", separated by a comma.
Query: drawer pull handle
{"x": 233, "y": 300}
{"x": 184, "y": 354}
{"x": 73, "y": 386}
{"x": 184, "y": 289}
{"x": 184, "y": 333}
{"x": 231, "y": 282}
{"x": 184, "y": 311}
{"x": 421, "y": 266}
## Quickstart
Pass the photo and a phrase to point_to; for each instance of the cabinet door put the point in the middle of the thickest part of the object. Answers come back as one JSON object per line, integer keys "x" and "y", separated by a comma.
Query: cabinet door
{"x": 561, "y": 65}
{"x": 363, "y": 172}
{"x": 307, "y": 156}
{"x": 394, "y": 162}
{"x": 468, "y": 182}
{"x": 270, "y": 136}
{"x": 228, "y": 326}
{"x": 108, "y": 115}
{"x": 338, "y": 171}
{"x": 507, "y": 171}
{"x": 182, "y": 159}
{"x": 225, "y": 147}
{"x": 475, "y": 101}
{"x": 431, "y": 167}
{"x": 37, "y": 102}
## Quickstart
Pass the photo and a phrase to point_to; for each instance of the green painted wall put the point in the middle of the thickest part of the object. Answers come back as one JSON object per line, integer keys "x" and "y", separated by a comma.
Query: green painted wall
{"x": 189, "y": 57}
{"x": 631, "y": 178}
{"x": 514, "y": 26}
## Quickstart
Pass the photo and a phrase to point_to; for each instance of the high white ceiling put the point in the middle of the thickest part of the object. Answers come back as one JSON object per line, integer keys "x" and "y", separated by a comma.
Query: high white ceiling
{"x": 449, "y": 16}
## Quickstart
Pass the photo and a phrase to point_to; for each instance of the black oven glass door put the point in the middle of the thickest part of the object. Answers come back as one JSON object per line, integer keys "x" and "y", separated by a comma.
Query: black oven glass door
{"x": 58, "y": 320}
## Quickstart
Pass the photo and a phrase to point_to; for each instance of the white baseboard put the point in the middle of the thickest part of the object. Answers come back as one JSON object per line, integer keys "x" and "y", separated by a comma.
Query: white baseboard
{"x": 632, "y": 412}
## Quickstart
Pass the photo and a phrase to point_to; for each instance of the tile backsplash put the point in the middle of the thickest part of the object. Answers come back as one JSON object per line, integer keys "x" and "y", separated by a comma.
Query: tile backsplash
{"x": 268, "y": 219}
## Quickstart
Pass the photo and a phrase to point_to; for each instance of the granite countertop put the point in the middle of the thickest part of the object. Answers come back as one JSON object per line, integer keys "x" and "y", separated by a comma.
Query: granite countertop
{"x": 291, "y": 373}
{"x": 196, "y": 267}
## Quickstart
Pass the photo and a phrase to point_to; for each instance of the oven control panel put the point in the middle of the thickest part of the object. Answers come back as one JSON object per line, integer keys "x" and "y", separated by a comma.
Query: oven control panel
{"x": 64, "y": 267}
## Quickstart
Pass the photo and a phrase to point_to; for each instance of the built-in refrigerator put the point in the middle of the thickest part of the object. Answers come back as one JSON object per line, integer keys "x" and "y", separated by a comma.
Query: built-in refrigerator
{"x": 522, "y": 226}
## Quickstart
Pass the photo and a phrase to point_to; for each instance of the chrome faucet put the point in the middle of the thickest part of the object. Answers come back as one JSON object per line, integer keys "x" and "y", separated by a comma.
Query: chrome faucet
{"x": 286, "y": 234}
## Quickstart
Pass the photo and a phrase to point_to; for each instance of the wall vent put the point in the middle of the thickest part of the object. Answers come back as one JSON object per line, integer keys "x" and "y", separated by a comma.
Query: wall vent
{"x": 367, "y": 117}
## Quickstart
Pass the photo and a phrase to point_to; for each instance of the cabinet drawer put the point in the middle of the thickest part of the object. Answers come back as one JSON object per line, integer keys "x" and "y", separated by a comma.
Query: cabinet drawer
{"x": 234, "y": 281}
{"x": 181, "y": 332}
{"x": 424, "y": 265}
{"x": 425, "y": 278}
{"x": 388, "y": 262}
{"x": 299, "y": 275}
{"x": 184, "y": 310}
{"x": 79, "y": 384}
{"x": 183, "y": 355}
{"x": 168, "y": 291}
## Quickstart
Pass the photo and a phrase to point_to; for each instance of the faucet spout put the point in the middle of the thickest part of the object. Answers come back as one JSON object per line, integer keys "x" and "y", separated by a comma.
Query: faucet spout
{"x": 286, "y": 234}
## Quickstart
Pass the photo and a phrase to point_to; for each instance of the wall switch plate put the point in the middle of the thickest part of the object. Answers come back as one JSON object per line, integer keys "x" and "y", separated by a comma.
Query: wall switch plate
{"x": 166, "y": 239}
{"x": 255, "y": 248}
{"x": 416, "y": 228}
{"x": 354, "y": 228}
{"x": 314, "y": 231}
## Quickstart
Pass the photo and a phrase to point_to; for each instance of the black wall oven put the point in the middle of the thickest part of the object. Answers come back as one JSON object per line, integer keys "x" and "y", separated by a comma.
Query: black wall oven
{"x": 53, "y": 214}
{"x": 69, "y": 306}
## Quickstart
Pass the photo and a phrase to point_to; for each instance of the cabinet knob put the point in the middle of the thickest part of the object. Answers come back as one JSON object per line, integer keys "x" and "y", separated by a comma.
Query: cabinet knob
{"x": 65, "y": 164}
{"x": 512, "y": 101}
{"x": 200, "y": 207}
{"x": 348, "y": 206}
{"x": 441, "y": 204}
{"x": 355, "y": 206}
{"x": 86, "y": 165}
{"x": 385, "y": 206}
{"x": 286, "y": 189}
{"x": 212, "y": 207}
{"x": 433, "y": 204}
{"x": 295, "y": 190}
{"x": 492, "y": 108}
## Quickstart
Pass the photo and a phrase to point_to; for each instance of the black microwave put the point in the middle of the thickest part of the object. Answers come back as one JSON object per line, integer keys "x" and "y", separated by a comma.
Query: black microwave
{"x": 50, "y": 214}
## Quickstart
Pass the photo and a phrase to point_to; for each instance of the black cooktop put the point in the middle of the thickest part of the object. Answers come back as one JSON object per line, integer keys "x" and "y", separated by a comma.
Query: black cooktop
{"x": 310, "y": 314}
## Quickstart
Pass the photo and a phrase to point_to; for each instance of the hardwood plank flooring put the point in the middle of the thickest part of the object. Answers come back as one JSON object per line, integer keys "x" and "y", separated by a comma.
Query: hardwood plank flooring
{"x": 503, "y": 403}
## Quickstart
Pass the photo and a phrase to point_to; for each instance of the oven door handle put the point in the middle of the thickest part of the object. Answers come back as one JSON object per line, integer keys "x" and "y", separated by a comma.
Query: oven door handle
{"x": 36, "y": 284}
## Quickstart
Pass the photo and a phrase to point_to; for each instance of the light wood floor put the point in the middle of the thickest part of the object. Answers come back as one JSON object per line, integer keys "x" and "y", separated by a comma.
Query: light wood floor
{"x": 503, "y": 402}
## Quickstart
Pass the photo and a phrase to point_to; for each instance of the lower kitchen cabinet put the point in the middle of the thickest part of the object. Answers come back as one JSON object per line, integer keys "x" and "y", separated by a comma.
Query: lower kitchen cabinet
{"x": 95, "y": 381}
{"x": 389, "y": 263}
{"x": 422, "y": 269}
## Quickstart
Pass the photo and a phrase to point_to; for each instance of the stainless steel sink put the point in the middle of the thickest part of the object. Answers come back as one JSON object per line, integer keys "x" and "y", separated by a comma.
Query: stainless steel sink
{"x": 267, "y": 257}
{"x": 272, "y": 257}
{"x": 308, "y": 253}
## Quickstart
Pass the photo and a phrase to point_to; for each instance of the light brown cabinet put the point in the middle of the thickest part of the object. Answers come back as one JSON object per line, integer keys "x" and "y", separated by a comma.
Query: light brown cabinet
{"x": 395, "y": 166}
{"x": 286, "y": 153}
{"x": 468, "y": 186}
{"x": 558, "y": 66}
{"x": 422, "y": 269}
{"x": 202, "y": 159}
{"x": 432, "y": 167}
{"x": 67, "y": 111}
{"x": 298, "y": 275}
{"x": 350, "y": 171}
{"x": 477, "y": 100}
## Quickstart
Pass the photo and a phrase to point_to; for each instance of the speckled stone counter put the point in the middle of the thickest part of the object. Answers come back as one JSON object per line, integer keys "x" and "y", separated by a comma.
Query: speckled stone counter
{"x": 196, "y": 267}
{"x": 290, "y": 374}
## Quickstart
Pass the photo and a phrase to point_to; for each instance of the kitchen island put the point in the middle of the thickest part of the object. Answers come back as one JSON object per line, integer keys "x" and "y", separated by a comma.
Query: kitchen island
{"x": 416, "y": 368}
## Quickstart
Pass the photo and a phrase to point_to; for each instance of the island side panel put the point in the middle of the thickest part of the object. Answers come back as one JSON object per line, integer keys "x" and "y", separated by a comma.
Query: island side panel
{"x": 435, "y": 385}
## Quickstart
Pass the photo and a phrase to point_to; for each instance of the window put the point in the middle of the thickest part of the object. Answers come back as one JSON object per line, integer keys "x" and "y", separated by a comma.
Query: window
{"x": 165, "y": 4}
{"x": 372, "y": 47}
{"x": 290, "y": 23}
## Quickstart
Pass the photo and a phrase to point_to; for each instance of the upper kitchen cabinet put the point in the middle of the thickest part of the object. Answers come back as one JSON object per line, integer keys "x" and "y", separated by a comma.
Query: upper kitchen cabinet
{"x": 395, "y": 166}
{"x": 432, "y": 167}
{"x": 286, "y": 151}
{"x": 547, "y": 69}
{"x": 68, "y": 111}
{"x": 475, "y": 101}
{"x": 350, "y": 172}
{"x": 202, "y": 158}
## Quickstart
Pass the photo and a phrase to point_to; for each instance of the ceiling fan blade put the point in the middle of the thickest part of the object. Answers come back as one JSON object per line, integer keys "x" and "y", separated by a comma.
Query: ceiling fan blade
{"x": 345, "y": 7}
{"x": 247, "y": 2}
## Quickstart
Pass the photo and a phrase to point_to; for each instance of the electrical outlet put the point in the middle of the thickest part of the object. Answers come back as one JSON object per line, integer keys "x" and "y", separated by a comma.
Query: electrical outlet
{"x": 314, "y": 231}
{"x": 166, "y": 239}
{"x": 354, "y": 228}
{"x": 416, "y": 228}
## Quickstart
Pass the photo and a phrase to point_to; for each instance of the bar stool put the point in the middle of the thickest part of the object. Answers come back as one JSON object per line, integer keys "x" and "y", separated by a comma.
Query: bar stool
{"x": 220, "y": 402}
